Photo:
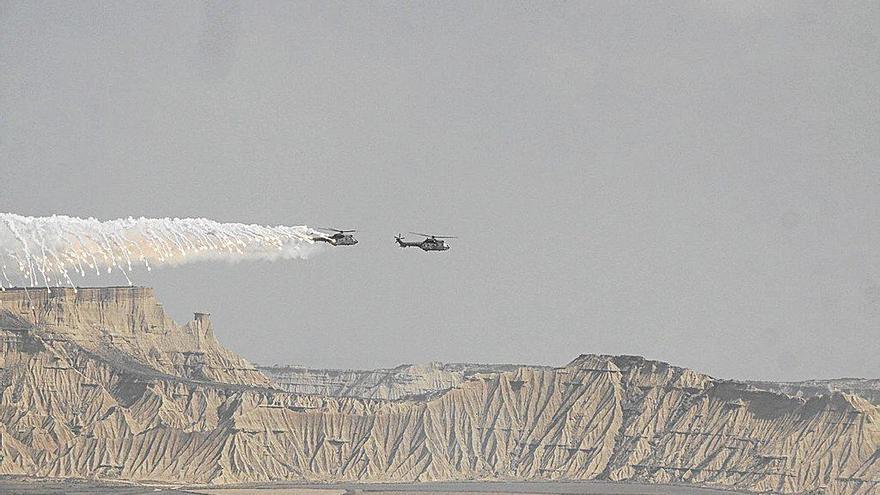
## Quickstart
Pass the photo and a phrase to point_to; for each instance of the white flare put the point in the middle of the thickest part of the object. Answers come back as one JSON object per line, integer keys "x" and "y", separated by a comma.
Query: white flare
{"x": 48, "y": 250}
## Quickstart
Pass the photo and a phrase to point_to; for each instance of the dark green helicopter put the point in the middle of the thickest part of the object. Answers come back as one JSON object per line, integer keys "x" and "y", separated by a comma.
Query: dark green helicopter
{"x": 430, "y": 243}
{"x": 339, "y": 238}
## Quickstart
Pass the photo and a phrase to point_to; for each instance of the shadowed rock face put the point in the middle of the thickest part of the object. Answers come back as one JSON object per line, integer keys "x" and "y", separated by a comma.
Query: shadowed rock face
{"x": 100, "y": 383}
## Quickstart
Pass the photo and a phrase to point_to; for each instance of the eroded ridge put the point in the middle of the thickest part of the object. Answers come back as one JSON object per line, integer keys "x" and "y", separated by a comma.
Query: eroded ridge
{"x": 101, "y": 383}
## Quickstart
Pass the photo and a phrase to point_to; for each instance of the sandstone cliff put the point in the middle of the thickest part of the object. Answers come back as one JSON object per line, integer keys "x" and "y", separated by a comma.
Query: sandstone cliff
{"x": 100, "y": 383}
{"x": 126, "y": 326}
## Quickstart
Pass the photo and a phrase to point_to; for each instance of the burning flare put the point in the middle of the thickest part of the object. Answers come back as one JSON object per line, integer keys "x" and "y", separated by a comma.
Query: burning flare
{"x": 47, "y": 250}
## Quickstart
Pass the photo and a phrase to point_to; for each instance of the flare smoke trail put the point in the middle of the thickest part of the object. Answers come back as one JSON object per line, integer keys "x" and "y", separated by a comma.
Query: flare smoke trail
{"x": 46, "y": 251}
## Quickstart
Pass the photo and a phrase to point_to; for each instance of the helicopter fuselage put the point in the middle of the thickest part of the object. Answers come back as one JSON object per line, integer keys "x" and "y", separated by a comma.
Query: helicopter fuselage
{"x": 339, "y": 240}
{"x": 426, "y": 245}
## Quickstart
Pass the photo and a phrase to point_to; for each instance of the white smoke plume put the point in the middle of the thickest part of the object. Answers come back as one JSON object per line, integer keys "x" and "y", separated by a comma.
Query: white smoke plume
{"x": 47, "y": 251}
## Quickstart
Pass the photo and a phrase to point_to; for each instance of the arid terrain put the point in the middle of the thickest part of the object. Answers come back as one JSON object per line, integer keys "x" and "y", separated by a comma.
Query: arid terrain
{"x": 100, "y": 384}
{"x": 58, "y": 486}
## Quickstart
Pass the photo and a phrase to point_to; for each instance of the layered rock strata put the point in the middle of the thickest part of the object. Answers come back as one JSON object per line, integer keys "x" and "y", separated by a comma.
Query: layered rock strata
{"x": 101, "y": 383}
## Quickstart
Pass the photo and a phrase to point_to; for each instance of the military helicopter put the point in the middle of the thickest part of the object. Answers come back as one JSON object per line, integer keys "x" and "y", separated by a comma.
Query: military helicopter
{"x": 340, "y": 238}
{"x": 431, "y": 242}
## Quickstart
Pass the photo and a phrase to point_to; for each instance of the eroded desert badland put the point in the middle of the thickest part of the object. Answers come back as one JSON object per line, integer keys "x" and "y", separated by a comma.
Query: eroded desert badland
{"x": 101, "y": 383}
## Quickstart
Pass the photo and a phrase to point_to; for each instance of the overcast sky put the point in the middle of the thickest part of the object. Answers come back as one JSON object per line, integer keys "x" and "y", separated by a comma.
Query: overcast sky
{"x": 695, "y": 182}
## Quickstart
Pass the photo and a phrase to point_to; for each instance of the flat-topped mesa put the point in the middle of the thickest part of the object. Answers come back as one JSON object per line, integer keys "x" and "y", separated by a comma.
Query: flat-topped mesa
{"x": 57, "y": 307}
{"x": 110, "y": 321}
{"x": 623, "y": 362}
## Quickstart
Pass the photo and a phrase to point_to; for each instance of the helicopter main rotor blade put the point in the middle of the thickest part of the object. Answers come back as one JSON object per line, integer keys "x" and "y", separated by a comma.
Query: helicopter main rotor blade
{"x": 336, "y": 230}
{"x": 434, "y": 236}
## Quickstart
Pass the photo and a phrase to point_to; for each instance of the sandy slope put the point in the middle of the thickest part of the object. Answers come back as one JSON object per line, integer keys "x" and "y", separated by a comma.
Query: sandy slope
{"x": 100, "y": 383}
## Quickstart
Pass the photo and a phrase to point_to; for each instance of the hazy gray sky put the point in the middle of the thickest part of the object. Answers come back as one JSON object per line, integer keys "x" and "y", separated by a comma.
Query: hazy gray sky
{"x": 696, "y": 182}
